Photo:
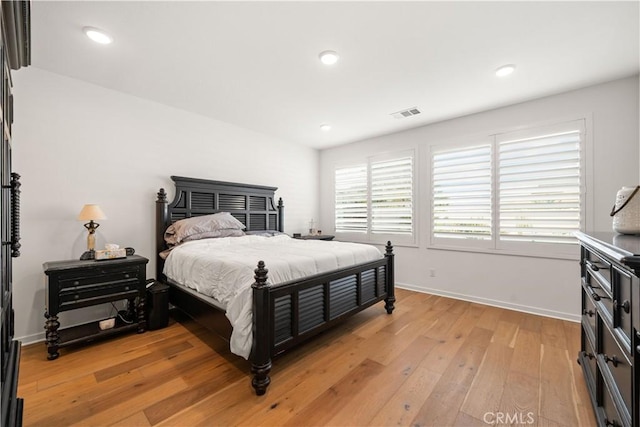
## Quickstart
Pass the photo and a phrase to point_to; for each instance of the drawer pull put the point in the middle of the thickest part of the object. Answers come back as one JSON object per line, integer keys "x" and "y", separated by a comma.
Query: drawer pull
{"x": 614, "y": 360}
{"x": 589, "y": 313}
{"x": 126, "y": 276}
{"x": 608, "y": 423}
{"x": 76, "y": 296}
{"x": 638, "y": 349}
{"x": 76, "y": 283}
{"x": 594, "y": 295}
{"x": 597, "y": 266}
{"x": 589, "y": 355}
{"x": 626, "y": 306}
{"x": 126, "y": 288}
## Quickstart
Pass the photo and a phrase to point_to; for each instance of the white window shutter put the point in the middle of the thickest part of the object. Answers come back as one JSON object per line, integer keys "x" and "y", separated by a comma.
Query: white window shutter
{"x": 391, "y": 196}
{"x": 351, "y": 199}
{"x": 539, "y": 188}
{"x": 461, "y": 191}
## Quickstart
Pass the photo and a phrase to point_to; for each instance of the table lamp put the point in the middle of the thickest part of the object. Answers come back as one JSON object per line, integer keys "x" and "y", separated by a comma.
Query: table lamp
{"x": 91, "y": 213}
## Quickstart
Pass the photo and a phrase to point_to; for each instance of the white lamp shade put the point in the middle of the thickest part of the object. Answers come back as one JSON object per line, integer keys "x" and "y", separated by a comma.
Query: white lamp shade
{"x": 91, "y": 212}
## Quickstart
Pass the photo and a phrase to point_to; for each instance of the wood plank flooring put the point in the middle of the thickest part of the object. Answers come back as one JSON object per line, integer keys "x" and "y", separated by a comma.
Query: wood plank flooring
{"x": 435, "y": 362}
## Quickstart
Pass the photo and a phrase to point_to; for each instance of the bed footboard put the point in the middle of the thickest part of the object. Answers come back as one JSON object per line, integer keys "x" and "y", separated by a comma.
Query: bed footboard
{"x": 286, "y": 314}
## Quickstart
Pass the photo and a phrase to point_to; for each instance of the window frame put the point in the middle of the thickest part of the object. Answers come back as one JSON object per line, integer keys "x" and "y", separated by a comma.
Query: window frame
{"x": 494, "y": 245}
{"x": 369, "y": 236}
{"x": 444, "y": 242}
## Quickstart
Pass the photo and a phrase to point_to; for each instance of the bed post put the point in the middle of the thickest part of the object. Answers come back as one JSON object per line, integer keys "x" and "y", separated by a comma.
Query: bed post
{"x": 280, "y": 215}
{"x": 162, "y": 212}
{"x": 261, "y": 354}
{"x": 391, "y": 295}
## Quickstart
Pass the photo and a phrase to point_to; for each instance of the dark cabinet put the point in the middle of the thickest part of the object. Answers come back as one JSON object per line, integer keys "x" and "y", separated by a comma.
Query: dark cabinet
{"x": 14, "y": 53}
{"x": 75, "y": 284}
{"x": 610, "y": 353}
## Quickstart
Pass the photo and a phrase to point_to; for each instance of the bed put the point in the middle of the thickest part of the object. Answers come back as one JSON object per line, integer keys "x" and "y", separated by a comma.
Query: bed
{"x": 284, "y": 314}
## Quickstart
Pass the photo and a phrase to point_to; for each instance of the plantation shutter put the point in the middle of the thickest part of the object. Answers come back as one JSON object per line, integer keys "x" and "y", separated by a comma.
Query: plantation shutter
{"x": 539, "y": 185}
{"x": 391, "y": 196}
{"x": 461, "y": 185}
{"x": 351, "y": 199}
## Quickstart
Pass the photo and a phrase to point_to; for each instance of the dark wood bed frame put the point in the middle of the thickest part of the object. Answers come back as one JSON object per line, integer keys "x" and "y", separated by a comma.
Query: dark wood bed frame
{"x": 284, "y": 314}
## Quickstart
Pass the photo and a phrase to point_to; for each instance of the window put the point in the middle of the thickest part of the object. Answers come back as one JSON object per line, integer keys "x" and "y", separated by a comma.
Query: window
{"x": 351, "y": 199}
{"x": 462, "y": 193}
{"x": 517, "y": 191}
{"x": 374, "y": 200}
{"x": 539, "y": 187}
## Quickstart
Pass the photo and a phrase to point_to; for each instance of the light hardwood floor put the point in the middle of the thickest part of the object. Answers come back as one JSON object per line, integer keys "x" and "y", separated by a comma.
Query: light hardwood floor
{"x": 434, "y": 362}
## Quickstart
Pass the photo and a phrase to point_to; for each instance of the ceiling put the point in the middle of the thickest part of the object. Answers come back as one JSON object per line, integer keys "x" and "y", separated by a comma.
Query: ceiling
{"x": 255, "y": 64}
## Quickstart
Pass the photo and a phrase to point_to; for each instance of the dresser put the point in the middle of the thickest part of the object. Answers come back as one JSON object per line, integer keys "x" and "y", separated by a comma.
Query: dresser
{"x": 15, "y": 42}
{"x": 610, "y": 343}
{"x": 75, "y": 284}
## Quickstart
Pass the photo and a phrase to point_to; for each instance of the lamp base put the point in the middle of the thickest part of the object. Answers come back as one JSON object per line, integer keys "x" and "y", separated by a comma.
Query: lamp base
{"x": 87, "y": 255}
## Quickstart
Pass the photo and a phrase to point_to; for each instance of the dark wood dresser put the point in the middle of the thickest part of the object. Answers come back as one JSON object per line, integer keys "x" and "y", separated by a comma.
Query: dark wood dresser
{"x": 610, "y": 352}
{"x": 75, "y": 284}
{"x": 15, "y": 46}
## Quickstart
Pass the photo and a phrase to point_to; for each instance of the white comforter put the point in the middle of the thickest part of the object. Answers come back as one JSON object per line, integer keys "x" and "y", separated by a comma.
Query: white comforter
{"x": 223, "y": 268}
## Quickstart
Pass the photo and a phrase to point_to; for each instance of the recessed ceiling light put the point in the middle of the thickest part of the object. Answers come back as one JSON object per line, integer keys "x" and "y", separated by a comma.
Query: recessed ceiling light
{"x": 505, "y": 70}
{"x": 329, "y": 57}
{"x": 325, "y": 127}
{"x": 97, "y": 35}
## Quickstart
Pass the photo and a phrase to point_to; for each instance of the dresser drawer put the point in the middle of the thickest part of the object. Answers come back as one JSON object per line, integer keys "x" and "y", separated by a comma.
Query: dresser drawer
{"x": 615, "y": 366}
{"x": 82, "y": 296}
{"x": 598, "y": 267}
{"x": 635, "y": 305}
{"x": 588, "y": 315}
{"x": 601, "y": 296}
{"x": 103, "y": 275}
{"x": 588, "y": 358}
{"x": 622, "y": 303}
{"x": 610, "y": 414}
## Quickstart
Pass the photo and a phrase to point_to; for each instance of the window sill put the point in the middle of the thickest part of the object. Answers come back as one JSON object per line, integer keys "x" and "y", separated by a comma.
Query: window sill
{"x": 511, "y": 252}
{"x": 378, "y": 242}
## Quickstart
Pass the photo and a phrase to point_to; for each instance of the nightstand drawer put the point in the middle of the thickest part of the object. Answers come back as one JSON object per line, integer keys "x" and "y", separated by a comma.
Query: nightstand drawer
{"x": 83, "y": 296}
{"x": 102, "y": 275}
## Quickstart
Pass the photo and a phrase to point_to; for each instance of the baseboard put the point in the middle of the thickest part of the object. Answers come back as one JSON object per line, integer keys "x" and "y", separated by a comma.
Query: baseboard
{"x": 39, "y": 337}
{"x": 32, "y": 339}
{"x": 494, "y": 303}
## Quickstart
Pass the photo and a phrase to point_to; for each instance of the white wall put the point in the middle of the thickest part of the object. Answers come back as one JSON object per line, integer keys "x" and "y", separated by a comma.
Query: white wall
{"x": 545, "y": 286}
{"x": 77, "y": 143}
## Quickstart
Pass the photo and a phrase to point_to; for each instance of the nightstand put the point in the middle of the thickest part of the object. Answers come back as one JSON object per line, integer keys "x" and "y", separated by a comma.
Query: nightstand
{"x": 315, "y": 237}
{"x": 75, "y": 284}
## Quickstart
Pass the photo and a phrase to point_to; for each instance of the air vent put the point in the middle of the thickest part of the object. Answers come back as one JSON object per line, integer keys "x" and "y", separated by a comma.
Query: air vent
{"x": 406, "y": 113}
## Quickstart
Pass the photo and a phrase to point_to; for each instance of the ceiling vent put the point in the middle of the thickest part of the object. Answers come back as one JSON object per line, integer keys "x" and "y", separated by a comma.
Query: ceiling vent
{"x": 406, "y": 113}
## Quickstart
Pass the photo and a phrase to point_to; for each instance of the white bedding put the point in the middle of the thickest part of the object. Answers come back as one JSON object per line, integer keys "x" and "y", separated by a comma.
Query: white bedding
{"x": 223, "y": 268}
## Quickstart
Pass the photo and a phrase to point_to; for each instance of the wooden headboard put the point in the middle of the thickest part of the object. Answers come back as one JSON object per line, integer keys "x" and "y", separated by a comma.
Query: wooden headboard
{"x": 253, "y": 205}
